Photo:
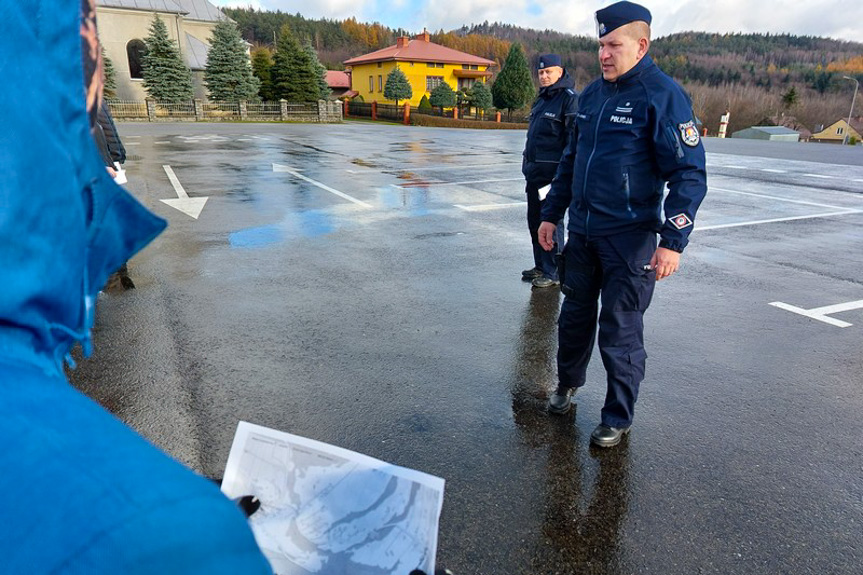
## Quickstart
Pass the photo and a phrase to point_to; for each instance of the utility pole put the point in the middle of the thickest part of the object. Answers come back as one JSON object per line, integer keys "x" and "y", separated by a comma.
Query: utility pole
{"x": 853, "y": 98}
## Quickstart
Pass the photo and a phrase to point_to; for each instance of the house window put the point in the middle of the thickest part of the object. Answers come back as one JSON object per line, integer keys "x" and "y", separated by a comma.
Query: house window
{"x": 466, "y": 83}
{"x": 371, "y": 84}
{"x": 840, "y": 131}
{"x": 380, "y": 83}
{"x": 474, "y": 67}
{"x": 438, "y": 65}
{"x": 465, "y": 66}
{"x": 433, "y": 82}
{"x": 135, "y": 51}
{"x": 380, "y": 64}
{"x": 430, "y": 64}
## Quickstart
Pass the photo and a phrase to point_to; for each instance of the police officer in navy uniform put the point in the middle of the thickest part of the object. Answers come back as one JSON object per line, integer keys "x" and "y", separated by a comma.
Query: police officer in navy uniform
{"x": 634, "y": 133}
{"x": 551, "y": 120}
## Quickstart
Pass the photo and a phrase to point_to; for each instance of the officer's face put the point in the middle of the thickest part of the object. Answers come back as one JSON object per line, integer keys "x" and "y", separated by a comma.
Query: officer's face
{"x": 620, "y": 50}
{"x": 550, "y": 75}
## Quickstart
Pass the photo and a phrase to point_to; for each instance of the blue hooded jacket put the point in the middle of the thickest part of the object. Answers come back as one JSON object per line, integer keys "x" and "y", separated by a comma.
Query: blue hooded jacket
{"x": 82, "y": 493}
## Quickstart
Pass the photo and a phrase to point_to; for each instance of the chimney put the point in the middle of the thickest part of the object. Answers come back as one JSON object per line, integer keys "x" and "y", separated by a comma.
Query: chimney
{"x": 402, "y": 41}
{"x": 424, "y": 36}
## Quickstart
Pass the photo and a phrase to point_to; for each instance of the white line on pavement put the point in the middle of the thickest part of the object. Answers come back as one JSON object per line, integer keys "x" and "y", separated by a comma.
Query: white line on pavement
{"x": 288, "y": 169}
{"x": 468, "y": 182}
{"x": 458, "y": 167}
{"x": 772, "y": 171}
{"x": 489, "y": 207}
{"x": 774, "y": 220}
{"x": 819, "y": 176}
{"x": 770, "y": 197}
{"x": 822, "y": 313}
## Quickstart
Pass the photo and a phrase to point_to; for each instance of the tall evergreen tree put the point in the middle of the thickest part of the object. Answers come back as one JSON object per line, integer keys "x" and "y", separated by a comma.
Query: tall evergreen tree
{"x": 397, "y": 86}
{"x": 321, "y": 70}
{"x": 262, "y": 66}
{"x": 110, "y": 88}
{"x": 513, "y": 87}
{"x": 442, "y": 96}
{"x": 294, "y": 76}
{"x": 480, "y": 96}
{"x": 228, "y": 74}
{"x": 166, "y": 77}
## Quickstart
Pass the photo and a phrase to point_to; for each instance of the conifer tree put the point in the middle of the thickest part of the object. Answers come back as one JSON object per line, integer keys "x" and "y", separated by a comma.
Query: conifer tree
{"x": 228, "y": 74}
{"x": 397, "y": 86}
{"x": 321, "y": 71}
{"x": 442, "y": 96}
{"x": 166, "y": 76}
{"x": 513, "y": 87}
{"x": 480, "y": 96}
{"x": 294, "y": 76}
{"x": 424, "y": 103}
{"x": 110, "y": 88}
{"x": 262, "y": 66}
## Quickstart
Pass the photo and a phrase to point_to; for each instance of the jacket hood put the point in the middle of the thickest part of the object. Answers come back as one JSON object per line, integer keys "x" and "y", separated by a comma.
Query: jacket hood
{"x": 562, "y": 83}
{"x": 65, "y": 226}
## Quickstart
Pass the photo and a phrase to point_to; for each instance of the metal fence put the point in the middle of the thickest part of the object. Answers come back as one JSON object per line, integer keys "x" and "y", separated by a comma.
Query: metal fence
{"x": 197, "y": 110}
{"x": 360, "y": 109}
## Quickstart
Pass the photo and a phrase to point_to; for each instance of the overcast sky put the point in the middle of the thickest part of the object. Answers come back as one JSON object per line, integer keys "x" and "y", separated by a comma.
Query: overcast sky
{"x": 841, "y": 19}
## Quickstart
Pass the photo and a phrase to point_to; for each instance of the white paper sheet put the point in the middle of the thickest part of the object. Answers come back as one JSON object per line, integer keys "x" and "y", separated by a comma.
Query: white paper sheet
{"x": 329, "y": 510}
{"x": 543, "y": 191}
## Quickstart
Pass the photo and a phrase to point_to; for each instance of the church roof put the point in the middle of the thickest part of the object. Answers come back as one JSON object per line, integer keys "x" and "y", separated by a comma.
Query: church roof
{"x": 191, "y": 9}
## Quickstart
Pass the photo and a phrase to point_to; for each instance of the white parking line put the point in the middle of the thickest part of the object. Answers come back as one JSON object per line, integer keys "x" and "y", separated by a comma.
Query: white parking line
{"x": 770, "y": 197}
{"x": 822, "y": 313}
{"x": 296, "y": 174}
{"x": 820, "y": 176}
{"x": 470, "y": 167}
{"x": 774, "y": 220}
{"x": 772, "y": 171}
{"x": 467, "y": 182}
{"x": 489, "y": 207}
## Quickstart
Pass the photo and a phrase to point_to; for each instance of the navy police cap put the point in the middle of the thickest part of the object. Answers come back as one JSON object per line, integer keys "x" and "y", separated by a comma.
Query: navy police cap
{"x": 549, "y": 60}
{"x": 619, "y": 14}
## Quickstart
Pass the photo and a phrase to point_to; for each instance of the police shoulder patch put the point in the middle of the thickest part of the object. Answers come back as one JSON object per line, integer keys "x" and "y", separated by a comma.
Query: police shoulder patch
{"x": 680, "y": 221}
{"x": 689, "y": 133}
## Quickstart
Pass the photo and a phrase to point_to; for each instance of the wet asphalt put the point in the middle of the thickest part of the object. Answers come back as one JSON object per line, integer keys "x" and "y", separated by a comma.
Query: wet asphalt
{"x": 395, "y": 323}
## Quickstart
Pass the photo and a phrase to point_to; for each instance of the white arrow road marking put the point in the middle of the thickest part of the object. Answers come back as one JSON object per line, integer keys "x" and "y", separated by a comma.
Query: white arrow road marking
{"x": 296, "y": 174}
{"x": 189, "y": 206}
{"x": 822, "y": 313}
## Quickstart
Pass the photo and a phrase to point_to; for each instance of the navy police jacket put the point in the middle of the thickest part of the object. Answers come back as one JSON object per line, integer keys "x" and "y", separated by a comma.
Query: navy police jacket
{"x": 631, "y": 137}
{"x": 551, "y": 118}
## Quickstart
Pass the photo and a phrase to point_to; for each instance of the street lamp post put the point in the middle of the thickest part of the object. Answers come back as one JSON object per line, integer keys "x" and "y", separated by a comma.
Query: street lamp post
{"x": 853, "y": 98}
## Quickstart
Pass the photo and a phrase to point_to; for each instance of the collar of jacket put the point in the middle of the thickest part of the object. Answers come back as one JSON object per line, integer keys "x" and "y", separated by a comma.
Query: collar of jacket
{"x": 562, "y": 83}
{"x": 65, "y": 226}
{"x": 643, "y": 66}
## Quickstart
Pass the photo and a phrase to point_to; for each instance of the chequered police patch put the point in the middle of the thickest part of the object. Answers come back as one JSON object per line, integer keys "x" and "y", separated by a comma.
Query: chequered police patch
{"x": 680, "y": 221}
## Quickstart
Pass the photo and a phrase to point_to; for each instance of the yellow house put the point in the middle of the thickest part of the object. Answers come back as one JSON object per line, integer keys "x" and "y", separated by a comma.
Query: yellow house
{"x": 425, "y": 64}
{"x": 838, "y": 131}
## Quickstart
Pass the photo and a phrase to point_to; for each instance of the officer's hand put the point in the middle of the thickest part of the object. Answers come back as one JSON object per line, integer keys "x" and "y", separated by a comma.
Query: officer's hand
{"x": 546, "y": 235}
{"x": 664, "y": 261}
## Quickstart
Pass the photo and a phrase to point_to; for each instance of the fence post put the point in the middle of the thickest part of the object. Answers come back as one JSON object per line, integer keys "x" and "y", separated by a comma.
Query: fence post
{"x": 151, "y": 109}
{"x": 497, "y": 117}
{"x": 407, "y": 114}
{"x": 322, "y": 111}
{"x": 375, "y": 110}
{"x": 346, "y": 104}
{"x": 199, "y": 110}
{"x": 283, "y": 110}
{"x": 244, "y": 110}
{"x": 455, "y": 113}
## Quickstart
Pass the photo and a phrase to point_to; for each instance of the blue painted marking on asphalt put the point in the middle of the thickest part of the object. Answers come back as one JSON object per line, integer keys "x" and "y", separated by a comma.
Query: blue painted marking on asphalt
{"x": 308, "y": 224}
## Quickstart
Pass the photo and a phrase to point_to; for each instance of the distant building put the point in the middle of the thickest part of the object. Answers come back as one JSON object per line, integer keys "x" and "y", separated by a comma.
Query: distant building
{"x": 339, "y": 84}
{"x": 837, "y": 131}
{"x": 123, "y": 25}
{"x": 424, "y": 63}
{"x": 771, "y": 133}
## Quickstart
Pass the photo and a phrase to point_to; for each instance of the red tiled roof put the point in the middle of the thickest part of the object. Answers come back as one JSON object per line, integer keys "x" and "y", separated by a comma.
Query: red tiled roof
{"x": 337, "y": 79}
{"x": 419, "y": 50}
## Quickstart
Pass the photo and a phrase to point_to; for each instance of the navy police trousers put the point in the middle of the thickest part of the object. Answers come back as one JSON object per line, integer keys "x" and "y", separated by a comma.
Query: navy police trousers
{"x": 615, "y": 269}
{"x": 545, "y": 261}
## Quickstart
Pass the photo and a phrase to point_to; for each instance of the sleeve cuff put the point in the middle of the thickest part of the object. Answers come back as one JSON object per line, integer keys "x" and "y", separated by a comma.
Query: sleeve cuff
{"x": 672, "y": 245}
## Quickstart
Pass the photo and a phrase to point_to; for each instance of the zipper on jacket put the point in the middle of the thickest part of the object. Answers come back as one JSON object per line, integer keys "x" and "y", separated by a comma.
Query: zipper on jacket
{"x": 590, "y": 159}
{"x": 628, "y": 191}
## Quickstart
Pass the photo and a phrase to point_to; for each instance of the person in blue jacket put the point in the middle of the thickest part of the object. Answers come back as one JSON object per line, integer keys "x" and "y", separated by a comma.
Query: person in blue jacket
{"x": 82, "y": 493}
{"x": 634, "y": 133}
{"x": 551, "y": 119}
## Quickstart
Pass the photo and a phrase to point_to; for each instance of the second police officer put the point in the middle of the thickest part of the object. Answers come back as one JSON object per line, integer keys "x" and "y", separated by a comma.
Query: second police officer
{"x": 551, "y": 118}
